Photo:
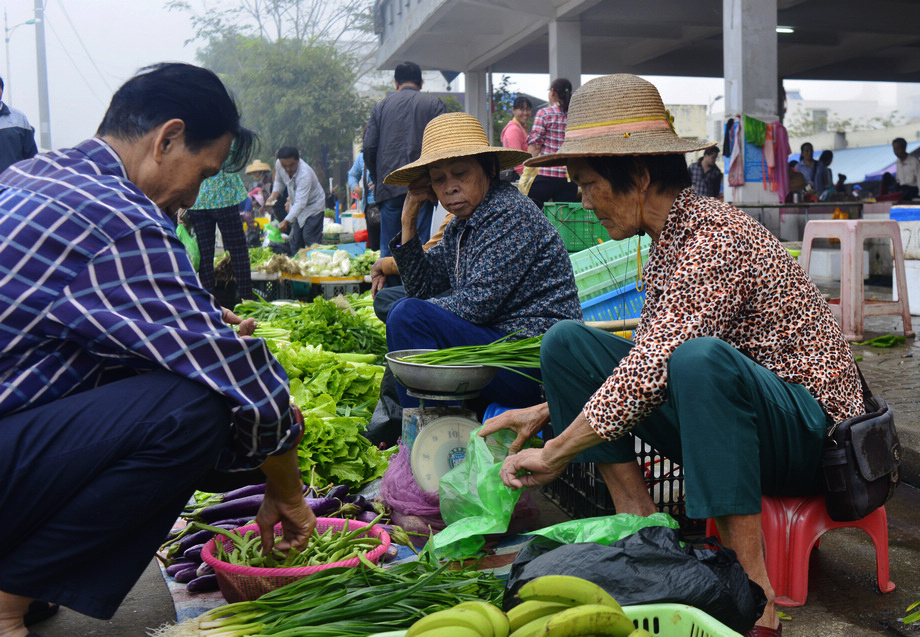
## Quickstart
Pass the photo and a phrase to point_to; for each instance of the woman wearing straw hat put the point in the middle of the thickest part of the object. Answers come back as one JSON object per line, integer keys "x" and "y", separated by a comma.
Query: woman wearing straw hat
{"x": 736, "y": 367}
{"x": 504, "y": 267}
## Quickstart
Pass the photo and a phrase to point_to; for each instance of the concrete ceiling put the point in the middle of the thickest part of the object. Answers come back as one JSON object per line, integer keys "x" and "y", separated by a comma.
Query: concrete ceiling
{"x": 867, "y": 40}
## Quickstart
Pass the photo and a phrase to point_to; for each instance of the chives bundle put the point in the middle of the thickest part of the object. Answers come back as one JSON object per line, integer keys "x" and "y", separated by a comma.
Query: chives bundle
{"x": 503, "y": 353}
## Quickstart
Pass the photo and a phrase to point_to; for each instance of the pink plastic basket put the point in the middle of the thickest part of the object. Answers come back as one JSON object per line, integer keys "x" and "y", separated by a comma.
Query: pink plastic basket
{"x": 243, "y": 583}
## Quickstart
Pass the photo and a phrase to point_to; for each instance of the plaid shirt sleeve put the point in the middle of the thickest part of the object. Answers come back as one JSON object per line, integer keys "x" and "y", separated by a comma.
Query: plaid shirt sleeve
{"x": 124, "y": 310}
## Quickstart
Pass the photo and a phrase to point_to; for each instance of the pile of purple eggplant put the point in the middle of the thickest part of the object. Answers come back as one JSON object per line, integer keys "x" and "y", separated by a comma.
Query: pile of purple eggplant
{"x": 181, "y": 552}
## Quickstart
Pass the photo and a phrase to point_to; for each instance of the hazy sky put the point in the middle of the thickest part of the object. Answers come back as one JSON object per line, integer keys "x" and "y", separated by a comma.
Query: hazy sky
{"x": 117, "y": 37}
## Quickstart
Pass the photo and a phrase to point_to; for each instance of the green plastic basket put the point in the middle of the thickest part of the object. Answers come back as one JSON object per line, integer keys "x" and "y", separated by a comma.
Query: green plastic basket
{"x": 607, "y": 267}
{"x": 579, "y": 228}
{"x": 677, "y": 620}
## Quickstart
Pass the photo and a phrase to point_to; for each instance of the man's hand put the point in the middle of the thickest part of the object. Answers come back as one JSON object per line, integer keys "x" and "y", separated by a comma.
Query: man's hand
{"x": 527, "y": 422}
{"x": 247, "y": 326}
{"x": 378, "y": 278}
{"x": 284, "y": 226}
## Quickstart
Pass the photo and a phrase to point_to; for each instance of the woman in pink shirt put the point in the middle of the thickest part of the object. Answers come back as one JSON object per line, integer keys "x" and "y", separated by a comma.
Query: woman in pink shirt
{"x": 514, "y": 135}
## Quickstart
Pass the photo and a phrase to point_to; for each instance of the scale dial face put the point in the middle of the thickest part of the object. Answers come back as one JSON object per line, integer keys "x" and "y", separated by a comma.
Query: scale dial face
{"x": 439, "y": 447}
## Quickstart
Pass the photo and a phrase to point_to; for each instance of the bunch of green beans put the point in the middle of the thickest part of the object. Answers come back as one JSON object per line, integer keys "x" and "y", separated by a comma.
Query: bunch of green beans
{"x": 503, "y": 353}
{"x": 345, "y": 602}
{"x": 324, "y": 548}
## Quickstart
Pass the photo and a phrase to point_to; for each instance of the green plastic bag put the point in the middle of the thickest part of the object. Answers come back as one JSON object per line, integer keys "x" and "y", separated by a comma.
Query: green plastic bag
{"x": 474, "y": 501}
{"x": 603, "y": 530}
{"x": 191, "y": 245}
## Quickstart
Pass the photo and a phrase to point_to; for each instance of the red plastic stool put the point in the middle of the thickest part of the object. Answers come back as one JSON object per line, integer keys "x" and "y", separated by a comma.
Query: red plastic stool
{"x": 792, "y": 527}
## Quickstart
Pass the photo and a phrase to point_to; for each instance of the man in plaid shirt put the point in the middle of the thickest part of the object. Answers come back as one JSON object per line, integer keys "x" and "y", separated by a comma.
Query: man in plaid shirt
{"x": 705, "y": 175}
{"x": 122, "y": 386}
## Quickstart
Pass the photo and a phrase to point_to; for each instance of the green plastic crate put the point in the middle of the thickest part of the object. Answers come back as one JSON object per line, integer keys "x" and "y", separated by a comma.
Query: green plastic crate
{"x": 607, "y": 266}
{"x": 677, "y": 620}
{"x": 579, "y": 228}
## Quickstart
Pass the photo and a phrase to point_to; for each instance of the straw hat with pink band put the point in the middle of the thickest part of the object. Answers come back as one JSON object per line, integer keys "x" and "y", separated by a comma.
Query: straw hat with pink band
{"x": 618, "y": 115}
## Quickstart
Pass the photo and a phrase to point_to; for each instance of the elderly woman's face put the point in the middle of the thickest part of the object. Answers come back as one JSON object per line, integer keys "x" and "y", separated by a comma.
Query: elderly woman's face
{"x": 618, "y": 213}
{"x": 460, "y": 184}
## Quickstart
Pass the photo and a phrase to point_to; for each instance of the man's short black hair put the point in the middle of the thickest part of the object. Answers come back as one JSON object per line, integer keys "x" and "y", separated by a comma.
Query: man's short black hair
{"x": 161, "y": 92}
{"x": 1, "y": 83}
{"x": 712, "y": 150}
{"x": 408, "y": 72}
{"x": 288, "y": 152}
{"x": 896, "y": 140}
{"x": 667, "y": 172}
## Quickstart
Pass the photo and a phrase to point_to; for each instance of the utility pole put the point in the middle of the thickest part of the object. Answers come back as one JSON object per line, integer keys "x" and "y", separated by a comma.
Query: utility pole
{"x": 44, "y": 117}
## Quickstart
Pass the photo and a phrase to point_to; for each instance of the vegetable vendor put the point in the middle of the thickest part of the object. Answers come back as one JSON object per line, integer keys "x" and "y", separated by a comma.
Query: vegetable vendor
{"x": 737, "y": 366}
{"x": 503, "y": 265}
{"x": 122, "y": 385}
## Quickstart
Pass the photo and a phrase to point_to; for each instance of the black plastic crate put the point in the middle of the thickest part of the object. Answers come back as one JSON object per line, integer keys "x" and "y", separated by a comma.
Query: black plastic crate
{"x": 582, "y": 493}
{"x": 273, "y": 290}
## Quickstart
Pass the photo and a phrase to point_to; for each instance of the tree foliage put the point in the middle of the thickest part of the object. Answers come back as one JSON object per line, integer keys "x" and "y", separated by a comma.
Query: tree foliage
{"x": 802, "y": 123}
{"x": 502, "y": 100}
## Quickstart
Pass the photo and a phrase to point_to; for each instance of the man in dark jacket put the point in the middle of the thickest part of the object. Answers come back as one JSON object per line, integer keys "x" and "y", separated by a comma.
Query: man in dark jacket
{"x": 393, "y": 139}
{"x": 17, "y": 137}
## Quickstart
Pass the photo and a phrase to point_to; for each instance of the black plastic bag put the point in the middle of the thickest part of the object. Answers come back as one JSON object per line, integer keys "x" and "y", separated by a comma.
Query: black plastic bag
{"x": 651, "y": 566}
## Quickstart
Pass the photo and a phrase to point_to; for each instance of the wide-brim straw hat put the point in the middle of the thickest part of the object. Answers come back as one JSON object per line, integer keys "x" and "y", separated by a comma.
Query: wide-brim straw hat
{"x": 257, "y": 166}
{"x": 618, "y": 115}
{"x": 453, "y": 135}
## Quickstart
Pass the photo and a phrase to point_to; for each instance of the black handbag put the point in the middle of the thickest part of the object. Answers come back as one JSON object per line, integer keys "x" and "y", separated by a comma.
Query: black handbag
{"x": 860, "y": 461}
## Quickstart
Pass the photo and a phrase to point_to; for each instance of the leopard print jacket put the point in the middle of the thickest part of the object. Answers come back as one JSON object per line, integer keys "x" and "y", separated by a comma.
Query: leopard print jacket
{"x": 715, "y": 271}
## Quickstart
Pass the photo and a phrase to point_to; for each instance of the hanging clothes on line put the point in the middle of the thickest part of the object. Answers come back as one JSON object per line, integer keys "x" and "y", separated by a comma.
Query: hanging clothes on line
{"x": 736, "y": 160}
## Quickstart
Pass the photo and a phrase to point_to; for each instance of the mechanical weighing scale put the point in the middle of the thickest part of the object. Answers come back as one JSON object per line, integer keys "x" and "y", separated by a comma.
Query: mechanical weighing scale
{"x": 437, "y": 435}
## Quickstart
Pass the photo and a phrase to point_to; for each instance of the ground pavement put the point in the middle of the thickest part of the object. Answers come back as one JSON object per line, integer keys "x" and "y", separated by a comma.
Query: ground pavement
{"x": 842, "y": 595}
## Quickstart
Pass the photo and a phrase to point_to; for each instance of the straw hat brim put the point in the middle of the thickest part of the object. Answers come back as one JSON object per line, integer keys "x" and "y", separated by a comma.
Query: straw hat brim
{"x": 638, "y": 143}
{"x": 257, "y": 166}
{"x": 507, "y": 158}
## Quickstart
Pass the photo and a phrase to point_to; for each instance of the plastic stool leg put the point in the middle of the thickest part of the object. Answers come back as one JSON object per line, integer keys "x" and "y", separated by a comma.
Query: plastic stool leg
{"x": 876, "y": 525}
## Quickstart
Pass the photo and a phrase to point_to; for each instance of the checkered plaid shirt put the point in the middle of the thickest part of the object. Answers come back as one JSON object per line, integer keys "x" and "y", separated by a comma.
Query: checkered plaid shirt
{"x": 95, "y": 285}
{"x": 549, "y": 130}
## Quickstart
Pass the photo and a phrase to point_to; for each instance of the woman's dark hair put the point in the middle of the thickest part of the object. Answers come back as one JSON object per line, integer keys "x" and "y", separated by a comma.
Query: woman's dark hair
{"x": 826, "y": 157}
{"x": 563, "y": 90}
{"x": 667, "y": 173}
{"x": 802, "y": 149}
{"x": 159, "y": 93}
{"x": 521, "y": 101}
{"x": 489, "y": 163}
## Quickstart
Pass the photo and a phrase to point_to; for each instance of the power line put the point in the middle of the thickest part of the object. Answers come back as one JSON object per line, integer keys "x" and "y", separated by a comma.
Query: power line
{"x": 76, "y": 68}
{"x": 85, "y": 50}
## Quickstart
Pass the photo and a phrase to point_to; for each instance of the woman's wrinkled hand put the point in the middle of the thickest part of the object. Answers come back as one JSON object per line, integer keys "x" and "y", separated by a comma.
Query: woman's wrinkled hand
{"x": 527, "y": 423}
{"x": 246, "y": 326}
{"x": 378, "y": 278}
{"x": 529, "y": 468}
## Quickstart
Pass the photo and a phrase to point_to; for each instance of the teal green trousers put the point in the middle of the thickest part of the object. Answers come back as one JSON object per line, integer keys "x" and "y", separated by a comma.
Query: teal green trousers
{"x": 736, "y": 429}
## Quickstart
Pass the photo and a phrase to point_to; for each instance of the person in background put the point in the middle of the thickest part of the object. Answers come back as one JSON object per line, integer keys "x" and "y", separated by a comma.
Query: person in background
{"x": 824, "y": 176}
{"x": 357, "y": 180}
{"x": 705, "y": 175}
{"x": 17, "y": 137}
{"x": 306, "y": 199}
{"x": 545, "y": 139}
{"x": 514, "y": 134}
{"x": 393, "y": 137}
{"x": 908, "y": 169}
{"x": 124, "y": 387}
{"x": 218, "y": 206}
{"x": 806, "y": 164}
{"x": 721, "y": 376}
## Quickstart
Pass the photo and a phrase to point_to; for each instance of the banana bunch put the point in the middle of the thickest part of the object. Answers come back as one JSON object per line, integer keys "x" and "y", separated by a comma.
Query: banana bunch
{"x": 566, "y": 606}
{"x": 469, "y": 619}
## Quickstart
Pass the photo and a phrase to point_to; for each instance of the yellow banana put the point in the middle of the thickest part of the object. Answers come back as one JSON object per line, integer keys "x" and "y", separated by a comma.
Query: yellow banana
{"x": 534, "y": 628}
{"x": 452, "y": 618}
{"x": 589, "y": 619}
{"x": 568, "y": 590}
{"x": 494, "y": 614}
{"x": 640, "y": 632}
{"x": 526, "y": 612}
{"x": 449, "y": 631}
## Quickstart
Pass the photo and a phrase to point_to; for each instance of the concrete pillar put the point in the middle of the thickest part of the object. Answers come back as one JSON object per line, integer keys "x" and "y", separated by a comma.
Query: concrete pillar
{"x": 565, "y": 51}
{"x": 750, "y": 66}
{"x": 477, "y": 97}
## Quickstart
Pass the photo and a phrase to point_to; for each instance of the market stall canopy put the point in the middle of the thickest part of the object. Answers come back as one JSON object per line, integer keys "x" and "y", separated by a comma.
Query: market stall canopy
{"x": 840, "y": 40}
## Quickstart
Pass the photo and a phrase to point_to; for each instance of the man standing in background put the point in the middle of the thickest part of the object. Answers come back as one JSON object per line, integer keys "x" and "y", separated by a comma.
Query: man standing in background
{"x": 393, "y": 139}
{"x": 908, "y": 169}
{"x": 17, "y": 137}
{"x": 705, "y": 175}
{"x": 306, "y": 199}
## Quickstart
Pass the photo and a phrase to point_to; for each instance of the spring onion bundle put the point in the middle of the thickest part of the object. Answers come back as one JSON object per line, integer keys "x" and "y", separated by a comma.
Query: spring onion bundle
{"x": 342, "y": 602}
{"x": 503, "y": 353}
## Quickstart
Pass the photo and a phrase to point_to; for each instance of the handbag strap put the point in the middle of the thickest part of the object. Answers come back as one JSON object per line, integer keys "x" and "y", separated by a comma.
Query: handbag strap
{"x": 867, "y": 393}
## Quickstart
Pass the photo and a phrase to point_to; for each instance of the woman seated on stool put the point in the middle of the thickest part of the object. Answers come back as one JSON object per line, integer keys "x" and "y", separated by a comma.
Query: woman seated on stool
{"x": 737, "y": 365}
{"x": 504, "y": 267}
